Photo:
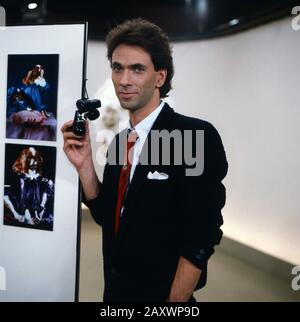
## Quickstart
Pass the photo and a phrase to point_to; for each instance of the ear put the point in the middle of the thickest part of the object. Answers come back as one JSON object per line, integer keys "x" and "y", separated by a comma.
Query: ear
{"x": 26, "y": 80}
{"x": 161, "y": 77}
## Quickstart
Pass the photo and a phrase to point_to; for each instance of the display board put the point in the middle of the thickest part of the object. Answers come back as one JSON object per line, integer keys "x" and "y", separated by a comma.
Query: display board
{"x": 42, "y": 76}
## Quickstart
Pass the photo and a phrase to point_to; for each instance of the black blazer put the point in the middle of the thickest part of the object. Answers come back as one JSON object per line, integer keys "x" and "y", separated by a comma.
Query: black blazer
{"x": 162, "y": 219}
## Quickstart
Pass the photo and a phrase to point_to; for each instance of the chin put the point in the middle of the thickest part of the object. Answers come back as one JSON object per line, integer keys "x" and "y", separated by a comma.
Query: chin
{"x": 130, "y": 106}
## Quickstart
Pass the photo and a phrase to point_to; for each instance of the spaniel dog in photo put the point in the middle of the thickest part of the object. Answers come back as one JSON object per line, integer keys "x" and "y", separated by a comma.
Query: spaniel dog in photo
{"x": 35, "y": 80}
{"x": 29, "y": 102}
{"x": 35, "y": 73}
{"x": 28, "y": 196}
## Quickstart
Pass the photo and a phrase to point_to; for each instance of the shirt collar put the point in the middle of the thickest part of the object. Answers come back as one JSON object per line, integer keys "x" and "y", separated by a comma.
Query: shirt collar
{"x": 143, "y": 128}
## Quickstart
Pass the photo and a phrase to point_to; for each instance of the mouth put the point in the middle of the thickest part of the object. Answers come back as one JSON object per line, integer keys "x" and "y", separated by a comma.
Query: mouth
{"x": 127, "y": 95}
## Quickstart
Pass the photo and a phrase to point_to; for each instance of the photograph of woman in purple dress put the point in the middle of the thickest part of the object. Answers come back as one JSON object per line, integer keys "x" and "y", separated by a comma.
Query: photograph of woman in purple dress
{"x": 29, "y": 186}
{"x": 32, "y": 97}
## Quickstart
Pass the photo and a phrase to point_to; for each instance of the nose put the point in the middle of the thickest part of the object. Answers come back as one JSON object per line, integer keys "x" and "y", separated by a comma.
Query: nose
{"x": 125, "y": 78}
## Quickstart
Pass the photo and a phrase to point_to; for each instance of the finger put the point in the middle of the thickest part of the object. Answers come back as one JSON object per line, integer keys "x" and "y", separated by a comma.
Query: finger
{"x": 66, "y": 125}
{"x": 71, "y": 135}
{"x": 73, "y": 142}
{"x": 70, "y": 147}
{"x": 87, "y": 132}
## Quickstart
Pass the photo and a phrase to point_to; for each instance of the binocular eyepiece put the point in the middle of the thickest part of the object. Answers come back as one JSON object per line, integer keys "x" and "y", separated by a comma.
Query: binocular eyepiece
{"x": 86, "y": 108}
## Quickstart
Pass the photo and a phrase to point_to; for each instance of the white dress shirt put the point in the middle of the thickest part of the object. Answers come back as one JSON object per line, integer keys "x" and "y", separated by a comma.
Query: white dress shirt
{"x": 143, "y": 128}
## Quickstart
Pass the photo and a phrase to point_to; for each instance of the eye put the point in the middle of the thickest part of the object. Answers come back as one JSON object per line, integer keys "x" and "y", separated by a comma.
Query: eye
{"x": 116, "y": 68}
{"x": 138, "y": 69}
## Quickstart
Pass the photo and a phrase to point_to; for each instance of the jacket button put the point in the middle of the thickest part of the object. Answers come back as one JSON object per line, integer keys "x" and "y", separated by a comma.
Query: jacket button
{"x": 200, "y": 254}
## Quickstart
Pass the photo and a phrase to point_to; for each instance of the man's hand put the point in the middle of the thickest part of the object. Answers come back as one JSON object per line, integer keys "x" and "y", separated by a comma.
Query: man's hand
{"x": 185, "y": 281}
{"x": 79, "y": 151}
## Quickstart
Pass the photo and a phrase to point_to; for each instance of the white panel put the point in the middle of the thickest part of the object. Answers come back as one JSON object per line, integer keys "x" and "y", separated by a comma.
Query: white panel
{"x": 41, "y": 265}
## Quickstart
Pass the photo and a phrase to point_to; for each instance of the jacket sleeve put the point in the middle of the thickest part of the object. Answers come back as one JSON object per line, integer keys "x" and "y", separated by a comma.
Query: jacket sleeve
{"x": 202, "y": 198}
{"x": 97, "y": 205}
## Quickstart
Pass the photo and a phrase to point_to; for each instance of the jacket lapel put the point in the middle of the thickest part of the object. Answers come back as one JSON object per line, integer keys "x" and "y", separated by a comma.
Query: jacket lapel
{"x": 163, "y": 121}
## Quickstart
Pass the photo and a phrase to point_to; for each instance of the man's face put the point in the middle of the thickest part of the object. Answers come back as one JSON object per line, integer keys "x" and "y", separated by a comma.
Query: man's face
{"x": 134, "y": 77}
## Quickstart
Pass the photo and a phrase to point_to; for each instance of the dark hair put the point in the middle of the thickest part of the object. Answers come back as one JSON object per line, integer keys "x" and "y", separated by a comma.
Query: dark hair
{"x": 150, "y": 37}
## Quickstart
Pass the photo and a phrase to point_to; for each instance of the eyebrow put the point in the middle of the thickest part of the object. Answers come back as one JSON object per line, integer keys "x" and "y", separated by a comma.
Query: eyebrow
{"x": 132, "y": 66}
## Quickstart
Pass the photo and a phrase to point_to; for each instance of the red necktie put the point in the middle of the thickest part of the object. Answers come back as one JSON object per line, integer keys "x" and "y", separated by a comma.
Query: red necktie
{"x": 124, "y": 177}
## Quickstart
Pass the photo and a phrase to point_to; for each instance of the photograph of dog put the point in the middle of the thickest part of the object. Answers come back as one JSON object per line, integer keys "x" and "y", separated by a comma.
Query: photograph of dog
{"x": 32, "y": 82}
{"x": 29, "y": 186}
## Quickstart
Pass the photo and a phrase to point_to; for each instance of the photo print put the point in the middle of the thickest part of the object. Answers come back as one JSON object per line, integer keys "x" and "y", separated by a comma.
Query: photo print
{"x": 29, "y": 186}
{"x": 32, "y": 83}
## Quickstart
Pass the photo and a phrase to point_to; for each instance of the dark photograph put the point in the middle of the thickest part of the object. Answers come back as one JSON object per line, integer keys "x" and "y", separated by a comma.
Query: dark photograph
{"x": 29, "y": 186}
{"x": 32, "y": 82}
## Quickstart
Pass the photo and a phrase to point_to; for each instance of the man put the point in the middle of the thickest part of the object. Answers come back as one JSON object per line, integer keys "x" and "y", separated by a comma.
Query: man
{"x": 160, "y": 223}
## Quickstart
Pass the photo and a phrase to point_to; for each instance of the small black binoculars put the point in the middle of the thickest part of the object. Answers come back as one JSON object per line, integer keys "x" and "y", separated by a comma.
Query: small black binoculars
{"x": 86, "y": 109}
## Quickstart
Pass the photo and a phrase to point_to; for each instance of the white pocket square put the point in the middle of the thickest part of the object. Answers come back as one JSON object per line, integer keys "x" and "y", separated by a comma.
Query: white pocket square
{"x": 157, "y": 175}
